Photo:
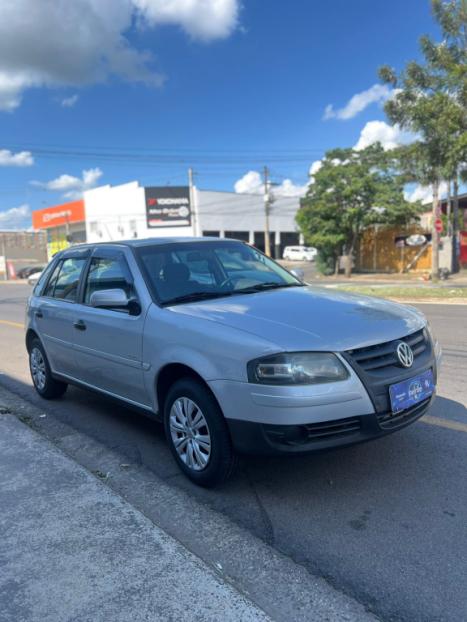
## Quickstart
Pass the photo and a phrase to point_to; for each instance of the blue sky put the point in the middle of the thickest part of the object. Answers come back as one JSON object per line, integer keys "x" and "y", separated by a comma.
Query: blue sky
{"x": 225, "y": 91}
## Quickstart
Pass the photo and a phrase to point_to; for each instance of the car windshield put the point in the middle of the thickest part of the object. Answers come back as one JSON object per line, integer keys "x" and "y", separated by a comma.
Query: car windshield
{"x": 190, "y": 271}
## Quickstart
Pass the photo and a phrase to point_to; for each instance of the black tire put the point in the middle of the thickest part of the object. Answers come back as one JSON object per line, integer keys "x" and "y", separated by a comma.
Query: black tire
{"x": 44, "y": 383}
{"x": 222, "y": 459}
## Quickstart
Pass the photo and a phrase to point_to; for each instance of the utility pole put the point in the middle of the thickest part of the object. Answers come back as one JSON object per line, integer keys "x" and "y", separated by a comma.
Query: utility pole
{"x": 193, "y": 207}
{"x": 434, "y": 233}
{"x": 455, "y": 219}
{"x": 267, "y": 207}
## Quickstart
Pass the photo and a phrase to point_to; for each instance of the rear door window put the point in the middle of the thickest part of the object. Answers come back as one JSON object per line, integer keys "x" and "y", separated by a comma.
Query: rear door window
{"x": 64, "y": 281}
{"x": 49, "y": 290}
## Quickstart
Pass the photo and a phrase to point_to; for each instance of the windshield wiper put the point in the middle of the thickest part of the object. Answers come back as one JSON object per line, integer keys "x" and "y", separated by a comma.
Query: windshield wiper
{"x": 194, "y": 296}
{"x": 259, "y": 287}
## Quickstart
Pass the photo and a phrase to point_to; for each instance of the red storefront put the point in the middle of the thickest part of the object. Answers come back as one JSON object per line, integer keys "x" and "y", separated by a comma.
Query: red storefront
{"x": 463, "y": 253}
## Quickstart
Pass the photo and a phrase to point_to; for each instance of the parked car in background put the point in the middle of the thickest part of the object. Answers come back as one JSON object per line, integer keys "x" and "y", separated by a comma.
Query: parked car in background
{"x": 34, "y": 277}
{"x": 300, "y": 253}
{"x": 27, "y": 271}
{"x": 228, "y": 349}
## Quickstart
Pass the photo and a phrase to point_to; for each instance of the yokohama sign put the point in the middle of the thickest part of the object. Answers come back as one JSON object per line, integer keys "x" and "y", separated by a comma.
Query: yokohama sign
{"x": 168, "y": 206}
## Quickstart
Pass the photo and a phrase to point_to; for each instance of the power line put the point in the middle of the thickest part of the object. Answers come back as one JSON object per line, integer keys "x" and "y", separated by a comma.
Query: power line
{"x": 156, "y": 150}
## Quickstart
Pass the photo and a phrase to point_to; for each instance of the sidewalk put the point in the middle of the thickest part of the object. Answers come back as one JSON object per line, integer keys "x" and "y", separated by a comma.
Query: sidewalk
{"x": 72, "y": 549}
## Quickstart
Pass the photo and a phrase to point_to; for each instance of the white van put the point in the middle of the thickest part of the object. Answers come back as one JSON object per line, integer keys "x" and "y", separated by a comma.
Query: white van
{"x": 300, "y": 253}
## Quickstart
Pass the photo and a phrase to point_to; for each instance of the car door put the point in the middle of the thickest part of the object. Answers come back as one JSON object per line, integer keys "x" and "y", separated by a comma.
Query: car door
{"x": 54, "y": 311}
{"x": 108, "y": 342}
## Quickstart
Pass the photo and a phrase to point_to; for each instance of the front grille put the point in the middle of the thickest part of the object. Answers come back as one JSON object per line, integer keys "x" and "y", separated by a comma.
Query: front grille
{"x": 384, "y": 355}
{"x": 388, "y": 420}
{"x": 378, "y": 366}
{"x": 312, "y": 432}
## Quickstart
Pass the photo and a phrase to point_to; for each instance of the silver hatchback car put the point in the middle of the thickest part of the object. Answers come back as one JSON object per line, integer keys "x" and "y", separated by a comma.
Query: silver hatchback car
{"x": 230, "y": 350}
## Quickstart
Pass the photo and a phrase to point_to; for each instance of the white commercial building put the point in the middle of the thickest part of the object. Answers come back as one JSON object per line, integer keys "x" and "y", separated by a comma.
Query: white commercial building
{"x": 132, "y": 211}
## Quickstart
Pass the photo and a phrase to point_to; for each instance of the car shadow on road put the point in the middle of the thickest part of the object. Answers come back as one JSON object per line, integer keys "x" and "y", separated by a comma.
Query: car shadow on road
{"x": 266, "y": 491}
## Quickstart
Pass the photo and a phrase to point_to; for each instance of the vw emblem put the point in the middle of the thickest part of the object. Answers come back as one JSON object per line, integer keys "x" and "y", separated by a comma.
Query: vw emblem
{"x": 405, "y": 354}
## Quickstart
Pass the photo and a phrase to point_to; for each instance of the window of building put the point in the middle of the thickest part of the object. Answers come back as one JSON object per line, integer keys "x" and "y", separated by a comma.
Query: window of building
{"x": 133, "y": 229}
{"x": 259, "y": 241}
{"x": 238, "y": 235}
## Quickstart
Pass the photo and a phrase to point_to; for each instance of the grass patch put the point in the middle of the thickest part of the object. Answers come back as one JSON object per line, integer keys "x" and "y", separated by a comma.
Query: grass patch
{"x": 419, "y": 292}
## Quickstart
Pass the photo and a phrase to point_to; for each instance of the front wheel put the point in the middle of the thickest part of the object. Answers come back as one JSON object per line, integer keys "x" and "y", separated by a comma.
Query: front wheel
{"x": 197, "y": 433}
{"x": 44, "y": 383}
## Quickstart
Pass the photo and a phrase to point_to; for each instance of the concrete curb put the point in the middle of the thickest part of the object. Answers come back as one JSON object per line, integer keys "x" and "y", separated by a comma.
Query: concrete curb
{"x": 276, "y": 584}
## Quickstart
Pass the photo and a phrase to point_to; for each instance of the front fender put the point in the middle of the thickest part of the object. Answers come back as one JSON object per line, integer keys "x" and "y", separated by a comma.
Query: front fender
{"x": 214, "y": 351}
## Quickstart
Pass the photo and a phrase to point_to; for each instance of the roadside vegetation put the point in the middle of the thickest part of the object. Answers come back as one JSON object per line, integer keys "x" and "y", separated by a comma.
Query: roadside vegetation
{"x": 407, "y": 292}
{"x": 351, "y": 191}
{"x": 355, "y": 189}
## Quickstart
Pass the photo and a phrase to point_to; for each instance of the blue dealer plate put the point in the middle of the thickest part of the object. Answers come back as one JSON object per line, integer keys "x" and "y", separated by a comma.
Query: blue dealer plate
{"x": 410, "y": 392}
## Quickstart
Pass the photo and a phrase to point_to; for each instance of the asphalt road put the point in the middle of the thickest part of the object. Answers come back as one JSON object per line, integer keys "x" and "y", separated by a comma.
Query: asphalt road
{"x": 386, "y": 521}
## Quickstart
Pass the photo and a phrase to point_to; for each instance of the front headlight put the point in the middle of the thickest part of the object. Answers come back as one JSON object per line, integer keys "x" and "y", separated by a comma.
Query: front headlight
{"x": 297, "y": 368}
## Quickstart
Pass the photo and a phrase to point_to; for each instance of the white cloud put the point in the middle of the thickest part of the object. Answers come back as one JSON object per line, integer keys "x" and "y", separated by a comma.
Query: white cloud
{"x": 390, "y": 136}
{"x": 72, "y": 43}
{"x": 288, "y": 189}
{"x": 252, "y": 183}
{"x": 16, "y": 217}
{"x": 373, "y": 131}
{"x": 22, "y": 158}
{"x": 314, "y": 168}
{"x": 11, "y": 87}
{"x": 201, "y": 19}
{"x": 357, "y": 103}
{"x": 69, "y": 102}
{"x": 72, "y": 187}
{"x": 424, "y": 193}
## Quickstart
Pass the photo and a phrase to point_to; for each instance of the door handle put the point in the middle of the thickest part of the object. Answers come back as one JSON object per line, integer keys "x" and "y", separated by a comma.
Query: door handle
{"x": 79, "y": 325}
{"x": 38, "y": 313}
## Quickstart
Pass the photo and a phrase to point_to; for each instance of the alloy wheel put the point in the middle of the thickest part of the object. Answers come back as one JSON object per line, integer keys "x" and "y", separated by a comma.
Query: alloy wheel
{"x": 190, "y": 433}
{"x": 38, "y": 370}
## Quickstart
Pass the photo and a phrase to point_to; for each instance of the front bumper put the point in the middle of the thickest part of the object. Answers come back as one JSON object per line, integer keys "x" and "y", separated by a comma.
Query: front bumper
{"x": 277, "y": 419}
{"x": 268, "y": 439}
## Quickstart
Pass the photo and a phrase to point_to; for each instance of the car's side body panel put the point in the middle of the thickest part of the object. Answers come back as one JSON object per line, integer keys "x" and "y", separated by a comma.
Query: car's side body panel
{"x": 109, "y": 352}
{"x": 213, "y": 351}
{"x": 53, "y": 320}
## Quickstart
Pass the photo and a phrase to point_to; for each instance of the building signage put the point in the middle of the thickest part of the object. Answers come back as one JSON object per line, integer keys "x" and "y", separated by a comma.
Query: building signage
{"x": 58, "y": 215}
{"x": 416, "y": 239}
{"x": 168, "y": 206}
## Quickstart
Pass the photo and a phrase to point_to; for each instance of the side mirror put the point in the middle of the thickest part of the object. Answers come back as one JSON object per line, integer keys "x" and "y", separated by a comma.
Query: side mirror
{"x": 113, "y": 298}
{"x": 298, "y": 273}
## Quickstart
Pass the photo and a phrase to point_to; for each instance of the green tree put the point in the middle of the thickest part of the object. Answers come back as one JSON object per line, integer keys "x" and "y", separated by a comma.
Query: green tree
{"x": 351, "y": 191}
{"x": 431, "y": 100}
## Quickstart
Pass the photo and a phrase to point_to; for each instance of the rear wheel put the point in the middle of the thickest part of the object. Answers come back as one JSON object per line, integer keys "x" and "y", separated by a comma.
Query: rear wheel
{"x": 44, "y": 383}
{"x": 197, "y": 433}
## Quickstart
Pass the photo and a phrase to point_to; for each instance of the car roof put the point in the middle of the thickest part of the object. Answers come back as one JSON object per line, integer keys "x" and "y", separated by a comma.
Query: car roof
{"x": 149, "y": 242}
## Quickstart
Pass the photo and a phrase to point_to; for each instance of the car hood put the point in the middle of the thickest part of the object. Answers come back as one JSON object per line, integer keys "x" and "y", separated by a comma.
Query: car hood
{"x": 310, "y": 317}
